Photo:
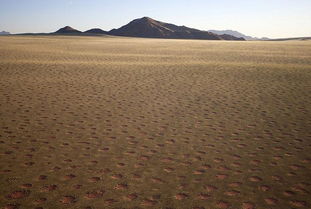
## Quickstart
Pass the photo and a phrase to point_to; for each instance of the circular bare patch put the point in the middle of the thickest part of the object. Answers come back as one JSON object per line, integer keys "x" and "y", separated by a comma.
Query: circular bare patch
{"x": 264, "y": 188}
{"x": 181, "y": 196}
{"x": 121, "y": 186}
{"x": 116, "y": 176}
{"x": 232, "y": 193}
{"x": 42, "y": 177}
{"x": 235, "y": 184}
{"x": 271, "y": 201}
{"x": 26, "y": 186}
{"x": 110, "y": 201}
{"x": 69, "y": 176}
{"x": 288, "y": 193}
{"x": 49, "y": 188}
{"x": 68, "y": 199}
{"x": 255, "y": 179}
{"x": 94, "y": 179}
{"x": 77, "y": 186}
{"x": 221, "y": 176}
{"x": 94, "y": 194}
{"x": 18, "y": 194}
{"x": 40, "y": 200}
{"x": 131, "y": 197}
{"x": 168, "y": 169}
{"x": 298, "y": 204}
{"x": 222, "y": 205}
{"x": 11, "y": 206}
{"x": 210, "y": 188}
{"x": 148, "y": 202}
{"x": 248, "y": 205}
{"x": 157, "y": 180}
{"x": 203, "y": 196}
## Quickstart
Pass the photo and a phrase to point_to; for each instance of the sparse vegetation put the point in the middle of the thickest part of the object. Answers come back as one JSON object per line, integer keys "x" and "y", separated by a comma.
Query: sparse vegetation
{"x": 107, "y": 122}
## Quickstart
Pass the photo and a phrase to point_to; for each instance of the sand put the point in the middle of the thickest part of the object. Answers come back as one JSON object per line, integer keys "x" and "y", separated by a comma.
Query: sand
{"x": 103, "y": 122}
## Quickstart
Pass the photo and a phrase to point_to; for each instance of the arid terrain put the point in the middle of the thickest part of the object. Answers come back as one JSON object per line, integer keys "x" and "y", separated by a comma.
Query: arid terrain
{"x": 107, "y": 122}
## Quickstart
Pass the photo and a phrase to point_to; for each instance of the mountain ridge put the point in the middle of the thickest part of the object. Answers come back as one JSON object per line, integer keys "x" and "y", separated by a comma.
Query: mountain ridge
{"x": 5, "y": 33}
{"x": 96, "y": 31}
{"x": 147, "y": 27}
{"x": 237, "y": 34}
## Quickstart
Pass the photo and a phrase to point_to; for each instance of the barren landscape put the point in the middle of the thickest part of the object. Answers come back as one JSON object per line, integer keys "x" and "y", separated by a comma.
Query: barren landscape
{"x": 116, "y": 122}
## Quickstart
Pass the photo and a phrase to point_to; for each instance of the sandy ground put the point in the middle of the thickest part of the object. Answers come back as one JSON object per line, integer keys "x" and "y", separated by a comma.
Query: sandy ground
{"x": 96, "y": 123}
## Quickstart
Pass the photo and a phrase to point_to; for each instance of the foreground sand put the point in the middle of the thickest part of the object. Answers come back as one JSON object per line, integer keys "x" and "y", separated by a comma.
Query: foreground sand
{"x": 98, "y": 123}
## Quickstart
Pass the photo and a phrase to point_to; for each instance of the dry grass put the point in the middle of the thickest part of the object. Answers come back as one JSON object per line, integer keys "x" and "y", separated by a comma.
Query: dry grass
{"x": 91, "y": 122}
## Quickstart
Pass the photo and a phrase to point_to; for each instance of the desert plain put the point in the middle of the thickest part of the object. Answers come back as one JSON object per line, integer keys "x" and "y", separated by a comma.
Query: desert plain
{"x": 124, "y": 123}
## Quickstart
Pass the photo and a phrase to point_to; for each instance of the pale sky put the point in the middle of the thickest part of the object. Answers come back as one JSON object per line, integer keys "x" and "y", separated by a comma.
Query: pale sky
{"x": 269, "y": 18}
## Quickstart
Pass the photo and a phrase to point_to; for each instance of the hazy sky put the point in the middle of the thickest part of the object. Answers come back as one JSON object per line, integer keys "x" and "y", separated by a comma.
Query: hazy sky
{"x": 271, "y": 18}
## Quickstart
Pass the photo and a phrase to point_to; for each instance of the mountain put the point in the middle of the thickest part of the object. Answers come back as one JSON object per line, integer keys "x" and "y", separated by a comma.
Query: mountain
{"x": 96, "y": 31}
{"x": 149, "y": 28}
{"x": 292, "y": 39}
{"x": 4, "y": 33}
{"x": 67, "y": 30}
{"x": 236, "y": 34}
{"x": 230, "y": 37}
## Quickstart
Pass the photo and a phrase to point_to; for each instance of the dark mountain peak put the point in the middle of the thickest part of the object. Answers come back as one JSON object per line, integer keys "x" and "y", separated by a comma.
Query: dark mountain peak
{"x": 146, "y": 19}
{"x": 68, "y": 29}
{"x": 96, "y": 31}
{"x": 149, "y": 28}
{"x": 143, "y": 27}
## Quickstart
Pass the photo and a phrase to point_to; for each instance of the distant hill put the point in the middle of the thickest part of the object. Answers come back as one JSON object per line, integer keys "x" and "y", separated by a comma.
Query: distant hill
{"x": 149, "y": 28}
{"x": 237, "y": 34}
{"x": 67, "y": 30}
{"x": 4, "y": 33}
{"x": 292, "y": 39}
{"x": 96, "y": 31}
